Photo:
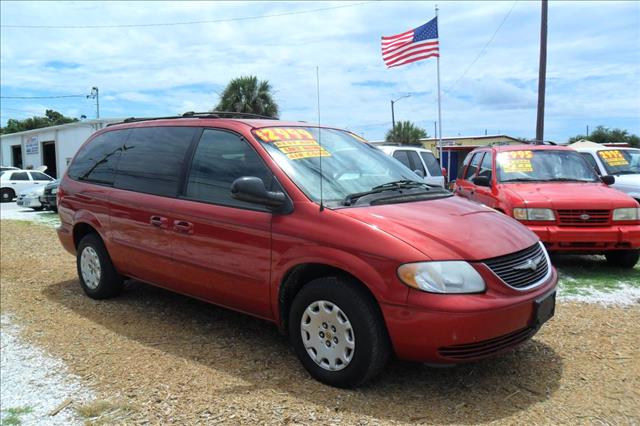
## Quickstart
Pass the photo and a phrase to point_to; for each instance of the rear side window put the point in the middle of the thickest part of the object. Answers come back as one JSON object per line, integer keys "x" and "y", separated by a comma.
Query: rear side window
{"x": 432, "y": 163}
{"x": 473, "y": 166}
{"x": 40, "y": 176}
{"x": 96, "y": 162}
{"x": 153, "y": 158}
{"x": 486, "y": 167}
{"x": 20, "y": 176}
{"x": 220, "y": 158}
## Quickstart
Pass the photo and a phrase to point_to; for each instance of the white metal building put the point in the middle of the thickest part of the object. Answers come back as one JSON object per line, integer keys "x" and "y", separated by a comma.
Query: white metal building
{"x": 53, "y": 147}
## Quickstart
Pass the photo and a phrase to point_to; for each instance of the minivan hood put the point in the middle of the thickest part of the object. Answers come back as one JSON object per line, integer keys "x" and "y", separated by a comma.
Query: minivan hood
{"x": 568, "y": 195}
{"x": 448, "y": 229}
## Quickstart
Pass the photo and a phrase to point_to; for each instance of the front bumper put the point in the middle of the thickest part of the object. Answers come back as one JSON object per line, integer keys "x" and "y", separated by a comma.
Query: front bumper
{"x": 588, "y": 238}
{"x": 48, "y": 200}
{"x": 29, "y": 202}
{"x": 439, "y": 328}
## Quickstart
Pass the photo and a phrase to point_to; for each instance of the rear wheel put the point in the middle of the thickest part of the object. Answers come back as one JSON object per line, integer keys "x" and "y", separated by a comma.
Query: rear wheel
{"x": 338, "y": 333}
{"x": 7, "y": 195}
{"x": 623, "y": 258}
{"x": 98, "y": 277}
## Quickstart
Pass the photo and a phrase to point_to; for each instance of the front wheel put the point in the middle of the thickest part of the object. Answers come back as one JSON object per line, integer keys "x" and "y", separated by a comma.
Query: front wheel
{"x": 338, "y": 333}
{"x": 623, "y": 258}
{"x": 7, "y": 195}
{"x": 98, "y": 277}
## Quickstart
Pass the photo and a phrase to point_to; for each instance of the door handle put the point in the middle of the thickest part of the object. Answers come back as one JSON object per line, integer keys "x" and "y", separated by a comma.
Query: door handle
{"x": 183, "y": 226}
{"x": 158, "y": 221}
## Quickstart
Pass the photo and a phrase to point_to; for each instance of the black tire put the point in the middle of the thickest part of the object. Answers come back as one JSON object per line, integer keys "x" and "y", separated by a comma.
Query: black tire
{"x": 53, "y": 209}
{"x": 7, "y": 195}
{"x": 37, "y": 209}
{"x": 110, "y": 283}
{"x": 623, "y": 258}
{"x": 371, "y": 350}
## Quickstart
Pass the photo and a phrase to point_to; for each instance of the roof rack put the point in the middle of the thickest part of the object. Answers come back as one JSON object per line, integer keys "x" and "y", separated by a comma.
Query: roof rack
{"x": 192, "y": 114}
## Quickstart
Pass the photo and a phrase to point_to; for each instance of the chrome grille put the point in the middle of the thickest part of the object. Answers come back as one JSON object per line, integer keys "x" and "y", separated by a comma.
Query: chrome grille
{"x": 522, "y": 269}
{"x": 581, "y": 217}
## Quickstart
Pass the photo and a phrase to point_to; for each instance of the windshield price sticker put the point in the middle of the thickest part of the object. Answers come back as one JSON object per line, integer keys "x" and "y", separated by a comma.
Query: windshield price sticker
{"x": 516, "y": 161}
{"x": 295, "y": 143}
{"x": 613, "y": 158}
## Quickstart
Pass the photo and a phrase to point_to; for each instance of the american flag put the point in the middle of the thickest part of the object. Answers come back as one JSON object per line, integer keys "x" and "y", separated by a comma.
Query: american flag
{"x": 411, "y": 46}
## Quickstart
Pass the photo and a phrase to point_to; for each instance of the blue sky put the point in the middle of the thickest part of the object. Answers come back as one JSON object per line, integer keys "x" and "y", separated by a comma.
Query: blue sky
{"x": 593, "y": 74}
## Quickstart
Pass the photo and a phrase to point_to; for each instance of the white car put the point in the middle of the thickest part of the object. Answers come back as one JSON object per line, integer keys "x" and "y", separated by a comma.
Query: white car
{"x": 419, "y": 160}
{"x": 12, "y": 182}
{"x": 31, "y": 197}
{"x": 621, "y": 162}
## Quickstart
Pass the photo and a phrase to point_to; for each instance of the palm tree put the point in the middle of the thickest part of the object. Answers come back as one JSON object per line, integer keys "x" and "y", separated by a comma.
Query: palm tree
{"x": 247, "y": 94}
{"x": 406, "y": 133}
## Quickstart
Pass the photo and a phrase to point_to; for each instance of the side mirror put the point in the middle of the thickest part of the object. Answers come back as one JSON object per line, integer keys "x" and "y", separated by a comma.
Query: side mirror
{"x": 252, "y": 190}
{"x": 444, "y": 171}
{"x": 419, "y": 173}
{"x": 608, "y": 179}
{"x": 481, "y": 181}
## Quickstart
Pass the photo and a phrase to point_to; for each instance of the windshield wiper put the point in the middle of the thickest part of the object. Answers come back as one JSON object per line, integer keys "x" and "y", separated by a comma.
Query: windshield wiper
{"x": 522, "y": 180}
{"x": 569, "y": 180}
{"x": 399, "y": 184}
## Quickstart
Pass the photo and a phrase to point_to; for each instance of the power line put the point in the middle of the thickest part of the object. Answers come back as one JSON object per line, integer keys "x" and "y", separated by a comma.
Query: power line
{"x": 168, "y": 24}
{"x": 42, "y": 97}
{"x": 483, "y": 50}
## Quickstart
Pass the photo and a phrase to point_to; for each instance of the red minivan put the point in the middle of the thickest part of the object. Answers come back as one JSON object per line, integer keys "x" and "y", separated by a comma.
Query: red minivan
{"x": 347, "y": 250}
{"x": 557, "y": 194}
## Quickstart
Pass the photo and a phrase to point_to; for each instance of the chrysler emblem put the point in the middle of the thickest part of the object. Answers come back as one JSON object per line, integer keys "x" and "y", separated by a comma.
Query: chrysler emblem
{"x": 531, "y": 264}
{"x": 585, "y": 216}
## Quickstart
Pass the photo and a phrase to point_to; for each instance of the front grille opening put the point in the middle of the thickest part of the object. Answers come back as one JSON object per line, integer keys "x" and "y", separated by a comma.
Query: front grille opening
{"x": 584, "y": 217}
{"x": 522, "y": 269}
{"x": 487, "y": 347}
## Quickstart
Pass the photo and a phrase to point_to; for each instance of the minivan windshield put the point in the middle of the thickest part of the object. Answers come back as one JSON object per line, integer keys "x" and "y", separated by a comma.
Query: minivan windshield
{"x": 348, "y": 165}
{"x": 543, "y": 166}
{"x": 621, "y": 161}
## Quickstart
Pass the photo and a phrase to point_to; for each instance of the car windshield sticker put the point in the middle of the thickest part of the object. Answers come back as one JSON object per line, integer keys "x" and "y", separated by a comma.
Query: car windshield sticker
{"x": 295, "y": 143}
{"x": 613, "y": 158}
{"x": 516, "y": 161}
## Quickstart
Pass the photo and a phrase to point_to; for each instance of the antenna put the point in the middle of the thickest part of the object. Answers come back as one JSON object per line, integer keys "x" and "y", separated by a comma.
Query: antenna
{"x": 319, "y": 135}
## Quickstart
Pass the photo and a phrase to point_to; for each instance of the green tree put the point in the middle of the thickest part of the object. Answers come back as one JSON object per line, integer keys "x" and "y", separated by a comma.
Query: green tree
{"x": 51, "y": 118}
{"x": 247, "y": 94}
{"x": 406, "y": 133}
{"x": 603, "y": 134}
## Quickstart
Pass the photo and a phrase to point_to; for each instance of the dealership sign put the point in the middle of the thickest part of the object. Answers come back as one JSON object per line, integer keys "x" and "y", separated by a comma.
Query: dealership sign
{"x": 32, "y": 145}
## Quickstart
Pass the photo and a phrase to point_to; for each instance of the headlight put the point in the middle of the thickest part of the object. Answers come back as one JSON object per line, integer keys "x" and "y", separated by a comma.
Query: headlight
{"x": 54, "y": 191}
{"x": 442, "y": 277}
{"x": 629, "y": 213}
{"x": 533, "y": 214}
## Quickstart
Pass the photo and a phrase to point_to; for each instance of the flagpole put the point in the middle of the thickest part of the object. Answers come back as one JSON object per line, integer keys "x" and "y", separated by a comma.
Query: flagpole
{"x": 439, "y": 109}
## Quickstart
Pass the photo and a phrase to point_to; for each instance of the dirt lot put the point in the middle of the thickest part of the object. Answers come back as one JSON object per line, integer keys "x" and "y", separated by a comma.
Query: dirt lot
{"x": 153, "y": 356}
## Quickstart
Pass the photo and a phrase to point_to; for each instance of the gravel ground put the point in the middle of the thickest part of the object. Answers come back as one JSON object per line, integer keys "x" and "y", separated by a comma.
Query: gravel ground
{"x": 35, "y": 383}
{"x": 158, "y": 357}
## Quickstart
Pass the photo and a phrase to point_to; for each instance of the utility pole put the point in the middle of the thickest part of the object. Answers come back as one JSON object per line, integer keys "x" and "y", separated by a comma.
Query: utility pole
{"x": 393, "y": 115}
{"x": 542, "y": 72}
{"x": 95, "y": 94}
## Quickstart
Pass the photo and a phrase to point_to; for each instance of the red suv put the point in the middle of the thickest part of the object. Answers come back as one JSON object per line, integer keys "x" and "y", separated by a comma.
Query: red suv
{"x": 557, "y": 194}
{"x": 344, "y": 248}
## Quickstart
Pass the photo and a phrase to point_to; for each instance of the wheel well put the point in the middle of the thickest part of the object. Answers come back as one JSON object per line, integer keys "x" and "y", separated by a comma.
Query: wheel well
{"x": 302, "y": 274}
{"x": 80, "y": 230}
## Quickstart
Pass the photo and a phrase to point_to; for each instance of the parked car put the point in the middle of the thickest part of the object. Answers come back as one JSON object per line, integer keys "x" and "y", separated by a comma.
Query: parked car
{"x": 555, "y": 192}
{"x": 50, "y": 195}
{"x": 621, "y": 162}
{"x": 14, "y": 181}
{"x": 353, "y": 256}
{"x": 30, "y": 197}
{"x": 420, "y": 160}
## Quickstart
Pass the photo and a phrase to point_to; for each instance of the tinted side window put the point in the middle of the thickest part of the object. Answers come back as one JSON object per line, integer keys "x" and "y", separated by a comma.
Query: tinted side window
{"x": 473, "y": 166}
{"x": 220, "y": 158}
{"x": 20, "y": 176}
{"x": 432, "y": 163}
{"x": 416, "y": 163}
{"x": 40, "y": 176}
{"x": 96, "y": 161}
{"x": 402, "y": 157}
{"x": 592, "y": 161}
{"x": 486, "y": 167}
{"x": 152, "y": 159}
{"x": 466, "y": 161}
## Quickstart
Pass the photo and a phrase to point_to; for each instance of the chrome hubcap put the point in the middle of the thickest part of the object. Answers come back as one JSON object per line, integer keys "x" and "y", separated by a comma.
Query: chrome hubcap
{"x": 90, "y": 267}
{"x": 327, "y": 335}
